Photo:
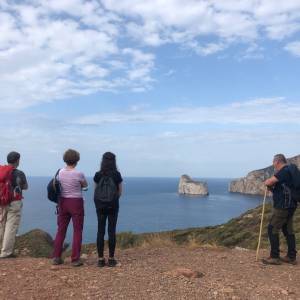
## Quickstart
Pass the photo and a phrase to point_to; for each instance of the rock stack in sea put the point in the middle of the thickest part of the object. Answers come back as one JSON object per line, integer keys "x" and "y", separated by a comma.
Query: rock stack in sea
{"x": 191, "y": 187}
{"x": 253, "y": 183}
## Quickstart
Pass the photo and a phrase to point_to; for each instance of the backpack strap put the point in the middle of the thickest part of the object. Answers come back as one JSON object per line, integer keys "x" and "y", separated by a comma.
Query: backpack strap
{"x": 55, "y": 176}
{"x": 54, "y": 182}
{"x": 105, "y": 176}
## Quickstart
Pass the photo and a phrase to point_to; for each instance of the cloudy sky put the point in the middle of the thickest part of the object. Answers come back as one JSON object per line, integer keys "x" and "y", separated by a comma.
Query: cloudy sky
{"x": 204, "y": 87}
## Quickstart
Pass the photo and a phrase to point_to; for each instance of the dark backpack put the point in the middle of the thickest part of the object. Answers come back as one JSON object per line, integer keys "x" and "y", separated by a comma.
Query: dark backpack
{"x": 295, "y": 187}
{"x": 6, "y": 190}
{"x": 54, "y": 189}
{"x": 106, "y": 192}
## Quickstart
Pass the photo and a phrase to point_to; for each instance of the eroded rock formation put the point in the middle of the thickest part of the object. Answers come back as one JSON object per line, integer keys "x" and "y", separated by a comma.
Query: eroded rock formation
{"x": 191, "y": 187}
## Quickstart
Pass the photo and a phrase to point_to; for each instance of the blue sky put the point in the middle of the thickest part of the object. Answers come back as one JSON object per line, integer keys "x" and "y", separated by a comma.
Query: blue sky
{"x": 208, "y": 88}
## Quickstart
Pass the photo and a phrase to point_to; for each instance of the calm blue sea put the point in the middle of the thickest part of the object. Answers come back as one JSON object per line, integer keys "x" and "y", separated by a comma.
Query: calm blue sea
{"x": 147, "y": 205}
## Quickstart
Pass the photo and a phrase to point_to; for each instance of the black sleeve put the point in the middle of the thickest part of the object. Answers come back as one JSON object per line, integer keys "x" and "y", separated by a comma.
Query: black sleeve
{"x": 118, "y": 178}
{"x": 20, "y": 179}
{"x": 97, "y": 177}
{"x": 282, "y": 175}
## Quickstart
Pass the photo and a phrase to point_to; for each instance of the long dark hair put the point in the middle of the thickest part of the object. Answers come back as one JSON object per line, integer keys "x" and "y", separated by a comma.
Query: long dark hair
{"x": 108, "y": 163}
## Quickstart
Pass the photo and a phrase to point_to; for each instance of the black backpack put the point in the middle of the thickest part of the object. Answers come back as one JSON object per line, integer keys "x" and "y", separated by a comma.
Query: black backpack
{"x": 106, "y": 192}
{"x": 54, "y": 189}
{"x": 295, "y": 188}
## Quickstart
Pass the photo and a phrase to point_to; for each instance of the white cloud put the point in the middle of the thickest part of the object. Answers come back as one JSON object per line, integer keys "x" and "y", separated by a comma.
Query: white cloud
{"x": 208, "y": 49}
{"x": 159, "y": 22}
{"x": 57, "y": 49}
{"x": 254, "y": 51}
{"x": 141, "y": 64}
{"x": 51, "y": 50}
{"x": 293, "y": 48}
{"x": 254, "y": 112}
{"x": 281, "y": 31}
{"x": 169, "y": 73}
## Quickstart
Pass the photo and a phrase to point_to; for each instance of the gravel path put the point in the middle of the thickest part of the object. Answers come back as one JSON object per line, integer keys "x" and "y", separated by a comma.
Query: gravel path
{"x": 152, "y": 273}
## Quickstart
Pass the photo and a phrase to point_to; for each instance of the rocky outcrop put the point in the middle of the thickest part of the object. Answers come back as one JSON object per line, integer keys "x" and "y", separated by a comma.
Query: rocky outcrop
{"x": 191, "y": 187}
{"x": 35, "y": 243}
{"x": 253, "y": 183}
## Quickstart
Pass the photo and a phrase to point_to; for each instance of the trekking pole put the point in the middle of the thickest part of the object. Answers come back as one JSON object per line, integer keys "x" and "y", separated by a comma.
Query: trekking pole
{"x": 261, "y": 224}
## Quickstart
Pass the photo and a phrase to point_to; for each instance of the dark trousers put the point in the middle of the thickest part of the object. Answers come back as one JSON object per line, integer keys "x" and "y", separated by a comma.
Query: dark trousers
{"x": 282, "y": 220}
{"x": 69, "y": 208}
{"x": 112, "y": 216}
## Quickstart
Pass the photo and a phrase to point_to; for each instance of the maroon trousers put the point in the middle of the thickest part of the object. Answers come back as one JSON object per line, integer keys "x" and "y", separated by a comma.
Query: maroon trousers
{"x": 69, "y": 208}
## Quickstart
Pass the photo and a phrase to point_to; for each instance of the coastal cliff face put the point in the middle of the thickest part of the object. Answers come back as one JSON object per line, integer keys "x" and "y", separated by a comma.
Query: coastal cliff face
{"x": 253, "y": 183}
{"x": 191, "y": 187}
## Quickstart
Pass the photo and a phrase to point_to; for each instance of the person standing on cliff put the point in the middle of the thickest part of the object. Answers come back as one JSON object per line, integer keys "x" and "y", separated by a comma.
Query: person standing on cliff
{"x": 108, "y": 190}
{"x": 10, "y": 213}
{"x": 70, "y": 206}
{"x": 283, "y": 211}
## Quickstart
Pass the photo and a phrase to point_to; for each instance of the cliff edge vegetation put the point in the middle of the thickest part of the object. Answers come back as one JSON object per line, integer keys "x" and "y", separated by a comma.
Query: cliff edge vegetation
{"x": 238, "y": 232}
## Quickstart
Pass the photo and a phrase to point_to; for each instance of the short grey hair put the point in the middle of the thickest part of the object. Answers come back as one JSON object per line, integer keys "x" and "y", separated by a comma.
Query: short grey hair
{"x": 280, "y": 158}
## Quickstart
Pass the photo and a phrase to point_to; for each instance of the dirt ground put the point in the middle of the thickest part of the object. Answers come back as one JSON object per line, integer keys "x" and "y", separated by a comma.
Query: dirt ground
{"x": 152, "y": 273}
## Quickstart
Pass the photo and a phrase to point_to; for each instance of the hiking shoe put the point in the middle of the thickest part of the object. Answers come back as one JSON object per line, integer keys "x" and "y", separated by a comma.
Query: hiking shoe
{"x": 57, "y": 261}
{"x": 112, "y": 262}
{"x": 101, "y": 263}
{"x": 77, "y": 263}
{"x": 9, "y": 256}
{"x": 271, "y": 261}
{"x": 289, "y": 260}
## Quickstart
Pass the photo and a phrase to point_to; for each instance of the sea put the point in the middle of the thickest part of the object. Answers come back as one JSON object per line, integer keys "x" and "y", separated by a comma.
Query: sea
{"x": 147, "y": 205}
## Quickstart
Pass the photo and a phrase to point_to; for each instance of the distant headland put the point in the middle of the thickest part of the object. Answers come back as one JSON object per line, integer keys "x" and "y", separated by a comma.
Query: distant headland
{"x": 253, "y": 183}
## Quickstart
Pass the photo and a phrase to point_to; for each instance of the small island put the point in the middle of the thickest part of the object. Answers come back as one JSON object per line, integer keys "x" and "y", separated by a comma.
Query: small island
{"x": 188, "y": 186}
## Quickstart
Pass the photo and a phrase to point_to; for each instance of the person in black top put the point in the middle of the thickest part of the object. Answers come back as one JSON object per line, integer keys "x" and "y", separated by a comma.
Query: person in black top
{"x": 283, "y": 211}
{"x": 108, "y": 189}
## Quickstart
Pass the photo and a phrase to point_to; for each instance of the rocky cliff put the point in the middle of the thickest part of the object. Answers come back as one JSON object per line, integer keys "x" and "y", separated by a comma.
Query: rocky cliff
{"x": 191, "y": 187}
{"x": 253, "y": 182}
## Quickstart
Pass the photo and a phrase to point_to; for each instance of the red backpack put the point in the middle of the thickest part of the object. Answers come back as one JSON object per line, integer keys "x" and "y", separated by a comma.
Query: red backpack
{"x": 6, "y": 190}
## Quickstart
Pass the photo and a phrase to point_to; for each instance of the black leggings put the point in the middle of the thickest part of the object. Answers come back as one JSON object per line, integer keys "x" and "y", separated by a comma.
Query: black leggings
{"x": 112, "y": 216}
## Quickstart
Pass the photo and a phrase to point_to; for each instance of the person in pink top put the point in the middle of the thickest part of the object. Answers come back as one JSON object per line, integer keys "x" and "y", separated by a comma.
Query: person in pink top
{"x": 70, "y": 207}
